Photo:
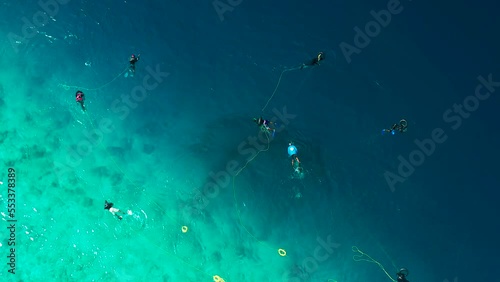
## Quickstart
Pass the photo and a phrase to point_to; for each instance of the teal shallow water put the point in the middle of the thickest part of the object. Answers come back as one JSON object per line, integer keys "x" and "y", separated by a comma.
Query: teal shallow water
{"x": 65, "y": 171}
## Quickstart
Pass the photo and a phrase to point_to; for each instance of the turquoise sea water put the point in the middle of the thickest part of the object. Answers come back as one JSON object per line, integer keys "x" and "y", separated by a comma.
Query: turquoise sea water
{"x": 205, "y": 194}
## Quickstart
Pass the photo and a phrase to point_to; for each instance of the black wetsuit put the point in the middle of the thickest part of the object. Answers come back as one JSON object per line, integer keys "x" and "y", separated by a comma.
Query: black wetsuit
{"x": 314, "y": 62}
{"x": 132, "y": 61}
{"x": 399, "y": 127}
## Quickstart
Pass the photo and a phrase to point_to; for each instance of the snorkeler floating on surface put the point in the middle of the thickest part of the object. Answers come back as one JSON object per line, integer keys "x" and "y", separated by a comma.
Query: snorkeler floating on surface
{"x": 315, "y": 61}
{"x": 132, "y": 60}
{"x": 80, "y": 98}
{"x": 296, "y": 165}
{"x": 400, "y": 127}
{"x": 403, "y": 272}
{"x": 265, "y": 125}
{"x": 114, "y": 211}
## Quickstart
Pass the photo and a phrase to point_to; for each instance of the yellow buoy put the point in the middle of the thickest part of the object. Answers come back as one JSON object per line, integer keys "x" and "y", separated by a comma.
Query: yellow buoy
{"x": 184, "y": 229}
{"x": 217, "y": 278}
{"x": 282, "y": 252}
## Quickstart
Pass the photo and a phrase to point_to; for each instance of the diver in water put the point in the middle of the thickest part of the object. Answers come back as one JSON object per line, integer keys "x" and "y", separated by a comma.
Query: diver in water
{"x": 265, "y": 125}
{"x": 132, "y": 60}
{"x": 315, "y": 61}
{"x": 400, "y": 127}
{"x": 114, "y": 211}
{"x": 296, "y": 165}
{"x": 403, "y": 272}
{"x": 80, "y": 98}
